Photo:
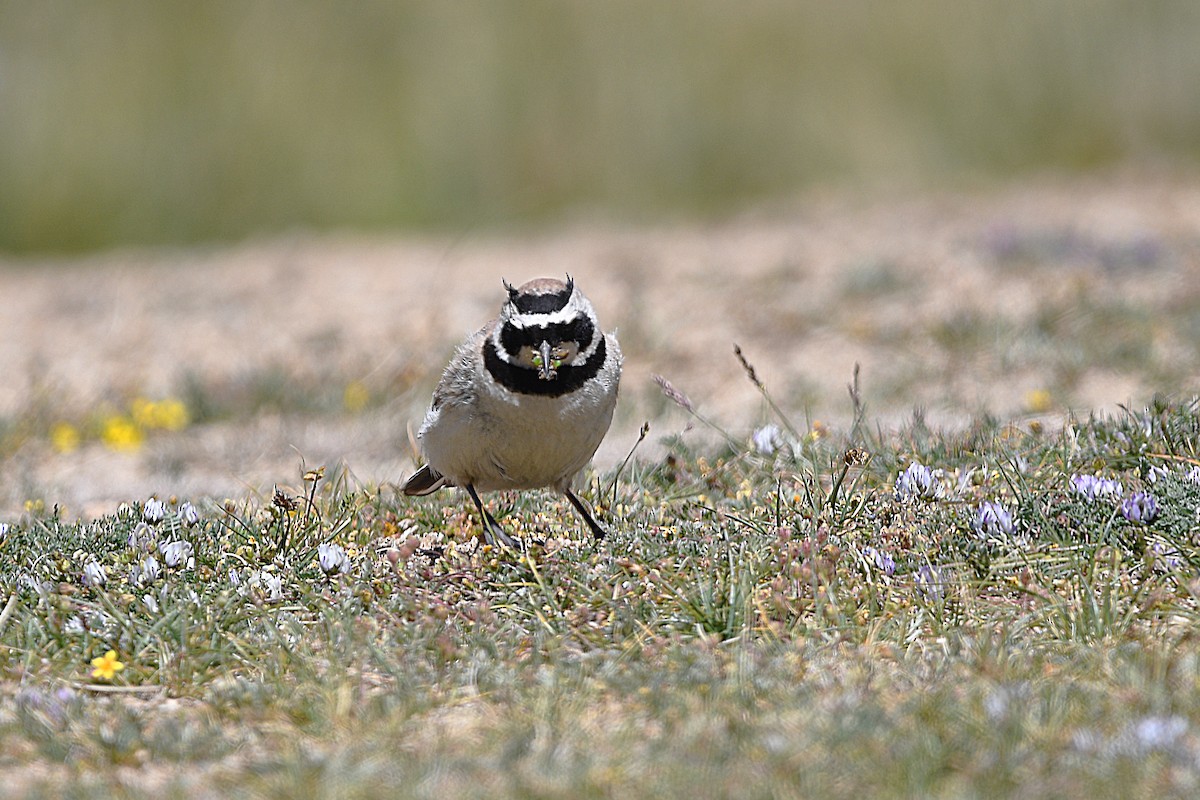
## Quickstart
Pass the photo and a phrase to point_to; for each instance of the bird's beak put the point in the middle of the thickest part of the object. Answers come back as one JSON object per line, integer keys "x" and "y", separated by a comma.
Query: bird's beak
{"x": 546, "y": 371}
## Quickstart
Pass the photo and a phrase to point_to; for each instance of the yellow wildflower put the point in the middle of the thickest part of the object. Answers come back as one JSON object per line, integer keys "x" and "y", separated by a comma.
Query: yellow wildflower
{"x": 1038, "y": 401}
{"x": 142, "y": 411}
{"x": 106, "y": 666}
{"x": 356, "y": 397}
{"x": 121, "y": 433}
{"x": 64, "y": 437}
{"x": 170, "y": 414}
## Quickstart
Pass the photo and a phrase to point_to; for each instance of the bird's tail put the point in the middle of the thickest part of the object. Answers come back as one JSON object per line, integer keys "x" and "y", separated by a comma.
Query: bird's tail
{"x": 426, "y": 480}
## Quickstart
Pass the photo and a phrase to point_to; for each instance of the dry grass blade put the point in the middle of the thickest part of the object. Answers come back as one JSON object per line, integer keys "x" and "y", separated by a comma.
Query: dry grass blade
{"x": 674, "y": 395}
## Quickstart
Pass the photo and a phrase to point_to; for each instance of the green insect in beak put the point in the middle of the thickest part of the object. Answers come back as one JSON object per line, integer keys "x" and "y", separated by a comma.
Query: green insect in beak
{"x": 547, "y": 360}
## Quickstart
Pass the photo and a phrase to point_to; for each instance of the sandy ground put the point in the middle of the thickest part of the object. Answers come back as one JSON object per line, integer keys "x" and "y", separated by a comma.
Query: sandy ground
{"x": 954, "y": 303}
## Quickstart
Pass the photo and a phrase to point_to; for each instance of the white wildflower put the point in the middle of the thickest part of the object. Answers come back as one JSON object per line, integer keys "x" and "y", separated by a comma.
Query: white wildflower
{"x": 1093, "y": 487}
{"x": 141, "y": 537}
{"x": 177, "y": 553}
{"x": 767, "y": 439}
{"x": 1139, "y": 739}
{"x": 94, "y": 574}
{"x": 264, "y": 586}
{"x": 332, "y": 558}
{"x": 189, "y": 515}
{"x": 1158, "y": 733}
{"x": 155, "y": 510}
{"x": 29, "y": 583}
{"x": 147, "y": 571}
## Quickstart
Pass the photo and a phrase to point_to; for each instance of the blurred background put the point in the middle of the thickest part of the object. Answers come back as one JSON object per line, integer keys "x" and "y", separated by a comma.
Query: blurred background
{"x": 170, "y": 122}
{"x": 240, "y": 237}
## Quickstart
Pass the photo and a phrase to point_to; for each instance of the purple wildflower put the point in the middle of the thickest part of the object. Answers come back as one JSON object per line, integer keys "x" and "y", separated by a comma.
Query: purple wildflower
{"x": 881, "y": 559}
{"x": 54, "y": 707}
{"x": 1093, "y": 486}
{"x": 918, "y": 481}
{"x": 1140, "y": 507}
{"x": 1166, "y": 558}
{"x": 931, "y": 583}
{"x": 992, "y": 519}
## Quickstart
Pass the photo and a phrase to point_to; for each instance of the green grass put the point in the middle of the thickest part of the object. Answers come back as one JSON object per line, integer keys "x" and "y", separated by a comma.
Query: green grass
{"x": 763, "y": 625}
{"x": 127, "y": 121}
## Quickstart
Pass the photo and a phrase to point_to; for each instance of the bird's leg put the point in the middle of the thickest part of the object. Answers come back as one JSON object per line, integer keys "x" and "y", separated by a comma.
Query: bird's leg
{"x": 492, "y": 532}
{"x": 597, "y": 531}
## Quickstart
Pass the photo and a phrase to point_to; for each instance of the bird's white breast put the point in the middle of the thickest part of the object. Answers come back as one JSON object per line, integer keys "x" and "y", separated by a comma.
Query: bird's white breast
{"x": 495, "y": 439}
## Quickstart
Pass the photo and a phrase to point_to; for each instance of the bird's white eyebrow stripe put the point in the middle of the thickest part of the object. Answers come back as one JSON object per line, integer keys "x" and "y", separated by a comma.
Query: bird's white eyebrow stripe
{"x": 563, "y": 315}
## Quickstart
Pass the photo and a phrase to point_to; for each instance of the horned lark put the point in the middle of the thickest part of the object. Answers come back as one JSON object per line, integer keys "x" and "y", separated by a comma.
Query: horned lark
{"x": 524, "y": 402}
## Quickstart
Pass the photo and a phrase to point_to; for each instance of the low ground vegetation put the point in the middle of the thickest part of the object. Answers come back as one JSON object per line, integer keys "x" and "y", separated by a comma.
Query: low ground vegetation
{"x": 1008, "y": 609}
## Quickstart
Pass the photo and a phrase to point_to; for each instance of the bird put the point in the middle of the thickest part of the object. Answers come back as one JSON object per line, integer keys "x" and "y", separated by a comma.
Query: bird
{"x": 524, "y": 402}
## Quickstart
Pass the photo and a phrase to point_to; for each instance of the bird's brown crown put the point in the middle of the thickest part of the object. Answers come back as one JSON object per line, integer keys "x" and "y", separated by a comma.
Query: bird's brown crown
{"x": 540, "y": 295}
